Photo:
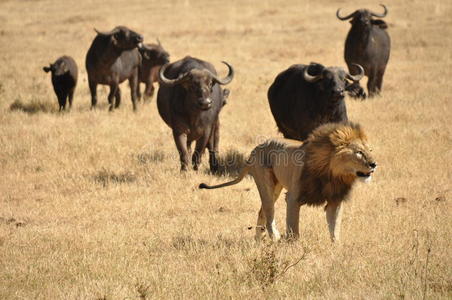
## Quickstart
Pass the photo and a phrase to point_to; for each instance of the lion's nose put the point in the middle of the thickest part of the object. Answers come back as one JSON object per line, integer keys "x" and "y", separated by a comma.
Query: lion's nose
{"x": 373, "y": 165}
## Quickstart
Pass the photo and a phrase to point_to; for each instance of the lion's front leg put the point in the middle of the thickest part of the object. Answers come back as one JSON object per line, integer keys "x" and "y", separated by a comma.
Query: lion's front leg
{"x": 334, "y": 218}
{"x": 292, "y": 217}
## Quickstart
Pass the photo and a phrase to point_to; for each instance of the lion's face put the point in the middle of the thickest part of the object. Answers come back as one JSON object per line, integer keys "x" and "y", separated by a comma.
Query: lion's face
{"x": 341, "y": 150}
{"x": 354, "y": 160}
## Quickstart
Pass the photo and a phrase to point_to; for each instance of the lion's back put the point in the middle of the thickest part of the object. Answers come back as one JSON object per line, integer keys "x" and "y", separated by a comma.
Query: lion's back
{"x": 274, "y": 151}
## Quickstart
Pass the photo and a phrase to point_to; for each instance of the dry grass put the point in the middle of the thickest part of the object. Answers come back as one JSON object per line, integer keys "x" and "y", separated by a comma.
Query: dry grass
{"x": 92, "y": 204}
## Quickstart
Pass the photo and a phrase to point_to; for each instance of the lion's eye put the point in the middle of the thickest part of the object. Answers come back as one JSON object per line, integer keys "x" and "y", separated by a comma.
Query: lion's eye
{"x": 359, "y": 154}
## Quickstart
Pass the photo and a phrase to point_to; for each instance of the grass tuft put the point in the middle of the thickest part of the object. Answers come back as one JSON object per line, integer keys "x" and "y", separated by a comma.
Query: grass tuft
{"x": 270, "y": 265}
{"x": 33, "y": 107}
{"x": 143, "y": 290}
{"x": 106, "y": 177}
{"x": 153, "y": 157}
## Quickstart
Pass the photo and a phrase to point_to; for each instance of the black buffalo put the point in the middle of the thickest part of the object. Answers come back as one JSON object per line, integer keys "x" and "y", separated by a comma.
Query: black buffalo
{"x": 153, "y": 58}
{"x": 190, "y": 103}
{"x": 367, "y": 44}
{"x": 112, "y": 58}
{"x": 64, "y": 79}
{"x": 303, "y": 97}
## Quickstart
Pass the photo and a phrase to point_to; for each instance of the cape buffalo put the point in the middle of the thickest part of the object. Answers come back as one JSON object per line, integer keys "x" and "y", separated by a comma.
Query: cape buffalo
{"x": 190, "y": 103}
{"x": 367, "y": 44}
{"x": 303, "y": 97}
{"x": 112, "y": 58}
{"x": 153, "y": 57}
{"x": 64, "y": 79}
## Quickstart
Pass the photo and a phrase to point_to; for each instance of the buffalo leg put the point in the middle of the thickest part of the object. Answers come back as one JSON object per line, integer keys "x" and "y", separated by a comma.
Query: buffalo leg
{"x": 61, "y": 100}
{"x": 71, "y": 97}
{"x": 148, "y": 91}
{"x": 379, "y": 80}
{"x": 133, "y": 82}
{"x": 372, "y": 82}
{"x": 118, "y": 97}
{"x": 189, "y": 147}
{"x": 111, "y": 95}
{"x": 181, "y": 143}
{"x": 93, "y": 91}
{"x": 65, "y": 96}
{"x": 152, "y": 90}
{"x": 214, "y": 141}
{"x": 199, "y": 149}
{"x": 138, "y": 91}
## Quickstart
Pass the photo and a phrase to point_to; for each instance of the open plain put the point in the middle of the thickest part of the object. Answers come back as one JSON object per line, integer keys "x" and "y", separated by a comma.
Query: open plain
{"x": 92, "y": 203}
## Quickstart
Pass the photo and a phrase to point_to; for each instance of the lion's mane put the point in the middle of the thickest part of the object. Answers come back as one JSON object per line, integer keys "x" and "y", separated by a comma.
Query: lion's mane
{"x": 318, "y": 185}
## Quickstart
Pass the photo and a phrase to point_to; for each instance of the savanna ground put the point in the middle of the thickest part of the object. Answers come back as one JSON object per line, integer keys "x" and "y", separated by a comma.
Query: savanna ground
{"x": 92, "y": 203}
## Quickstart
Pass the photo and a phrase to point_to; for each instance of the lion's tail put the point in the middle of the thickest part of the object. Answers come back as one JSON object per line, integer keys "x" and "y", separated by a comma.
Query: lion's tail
{"x": 242, "y": 174}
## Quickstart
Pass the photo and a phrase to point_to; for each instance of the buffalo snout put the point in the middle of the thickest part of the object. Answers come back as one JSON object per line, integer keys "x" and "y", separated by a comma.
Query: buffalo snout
{"x": 205, "y": 104}
{"x": 166, "y": 59}
{"x": 364, "y": 19}
{"x": 339, "y": 92}
{"x": 138, "y": 38}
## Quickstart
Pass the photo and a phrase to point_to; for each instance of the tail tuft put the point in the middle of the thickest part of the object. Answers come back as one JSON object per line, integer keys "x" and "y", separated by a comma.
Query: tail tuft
{"x": 203, "y": 186}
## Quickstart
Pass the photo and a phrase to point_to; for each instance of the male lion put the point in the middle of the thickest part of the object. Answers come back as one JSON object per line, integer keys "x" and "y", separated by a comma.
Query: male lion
{"x": 322, "y": 169}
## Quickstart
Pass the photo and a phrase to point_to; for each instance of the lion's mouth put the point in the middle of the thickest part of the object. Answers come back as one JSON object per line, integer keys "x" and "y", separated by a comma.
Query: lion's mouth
{"x": 363, "y": 175}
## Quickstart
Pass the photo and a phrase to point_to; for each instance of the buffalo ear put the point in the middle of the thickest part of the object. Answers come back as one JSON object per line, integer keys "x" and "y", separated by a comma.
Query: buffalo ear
{"x": 46, "y": 69}
{"x": 380, "y": 23}
{"x": 226, "y": 93}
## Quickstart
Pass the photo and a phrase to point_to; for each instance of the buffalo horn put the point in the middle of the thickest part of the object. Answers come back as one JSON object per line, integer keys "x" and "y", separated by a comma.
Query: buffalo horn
{"x": 115, "y": 30}
{"x": 310, "y": 78}
{"x": 228, "y": 78}
{"x": 380, "y": 15}
{"x": 346, "y": 17}
{"x": 356, "y": 77}
{"x": 171, "y": 82}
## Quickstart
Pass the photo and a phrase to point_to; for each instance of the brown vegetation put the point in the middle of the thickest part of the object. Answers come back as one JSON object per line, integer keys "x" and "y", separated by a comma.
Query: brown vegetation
{"x": 92, "y": 204}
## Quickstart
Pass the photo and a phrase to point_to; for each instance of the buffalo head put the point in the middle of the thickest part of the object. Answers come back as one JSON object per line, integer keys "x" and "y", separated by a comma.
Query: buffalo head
{"x": 123, "y": 38}
{"x": 331, "y": 81}
{"x": 364, "y": 17}
{"x": 198, "y": 84}
{"x": 58, "y": 68}
{"x": 155, "y": 53}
